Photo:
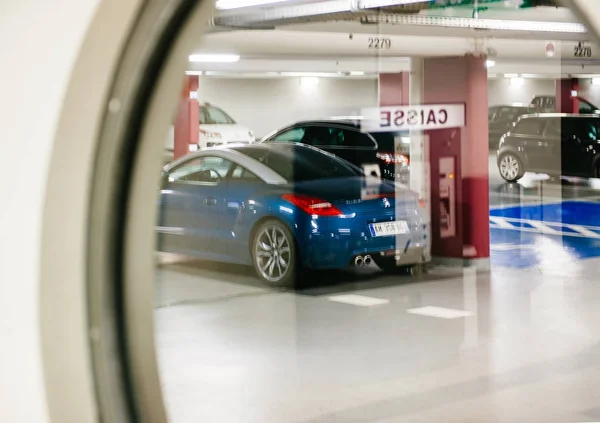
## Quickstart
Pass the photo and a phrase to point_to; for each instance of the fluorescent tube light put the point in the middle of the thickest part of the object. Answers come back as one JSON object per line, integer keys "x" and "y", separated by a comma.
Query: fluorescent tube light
{"x": 370, "y": 4}
{"x": 214, "y": 58}
{"x": 490, "y": 63}
{"x": 236, "y": 4}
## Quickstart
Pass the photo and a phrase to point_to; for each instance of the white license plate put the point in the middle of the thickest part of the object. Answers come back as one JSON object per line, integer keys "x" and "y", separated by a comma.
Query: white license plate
{"x": 389, "y": 228}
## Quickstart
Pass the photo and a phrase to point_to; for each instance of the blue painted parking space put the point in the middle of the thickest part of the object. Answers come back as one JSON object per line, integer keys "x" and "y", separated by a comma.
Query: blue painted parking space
{"x": 527, "y": 236}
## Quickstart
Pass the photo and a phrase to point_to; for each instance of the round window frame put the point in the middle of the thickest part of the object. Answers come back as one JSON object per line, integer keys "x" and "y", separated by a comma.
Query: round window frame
{"x": 121, "y": 241}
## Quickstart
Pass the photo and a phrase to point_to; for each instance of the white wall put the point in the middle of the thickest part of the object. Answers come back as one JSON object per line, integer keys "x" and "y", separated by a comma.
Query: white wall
{"x": 500, "y": 90}
{"x": 32, "y": 33}
{"x": 589, "y": 91}
{"x": 264, "y": 105}
{"x": 270, "y": 103}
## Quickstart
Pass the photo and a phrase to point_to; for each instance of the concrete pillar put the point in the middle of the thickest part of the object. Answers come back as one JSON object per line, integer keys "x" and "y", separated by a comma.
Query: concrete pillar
{"x": 567, "y": 91}
{"x": 394, "y": 89}
{"x": 462, "y": 80}
{"x": 187, "y": 119}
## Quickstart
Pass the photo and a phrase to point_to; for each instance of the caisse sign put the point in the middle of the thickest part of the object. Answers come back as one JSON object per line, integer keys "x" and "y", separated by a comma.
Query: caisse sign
{"x": 403, "y": 118}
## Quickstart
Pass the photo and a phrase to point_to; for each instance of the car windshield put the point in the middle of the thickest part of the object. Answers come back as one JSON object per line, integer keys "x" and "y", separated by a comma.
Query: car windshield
{"x": 210, "y": 115}
{"x": 297, "y": 164}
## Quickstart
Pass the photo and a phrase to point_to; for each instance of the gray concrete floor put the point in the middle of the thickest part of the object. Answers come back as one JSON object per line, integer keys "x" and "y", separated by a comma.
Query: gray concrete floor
{"x": 449, "y": 346}
{"x": 527, "y": 349}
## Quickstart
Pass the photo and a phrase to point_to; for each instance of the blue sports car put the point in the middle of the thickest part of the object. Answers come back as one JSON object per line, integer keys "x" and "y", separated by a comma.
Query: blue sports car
{"x": 284, "y": 207}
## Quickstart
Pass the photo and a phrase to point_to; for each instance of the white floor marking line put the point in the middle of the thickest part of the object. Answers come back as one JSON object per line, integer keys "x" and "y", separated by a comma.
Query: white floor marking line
{"x": 501, "y": 223}
{"x": 529, "y": 203}
{"x": 358, "y": 300}
{"x": 544, "y": 228}
{"x": 440, "y": 312}
{"x": 584, "y": 231}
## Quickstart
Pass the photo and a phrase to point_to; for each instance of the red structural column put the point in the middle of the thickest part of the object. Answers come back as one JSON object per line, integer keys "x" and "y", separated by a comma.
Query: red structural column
{"x": 187, "y": 119}
{"x": 394, "y": 89}
{"x": 462, "y": 80}
{"x": 567, "y": 100}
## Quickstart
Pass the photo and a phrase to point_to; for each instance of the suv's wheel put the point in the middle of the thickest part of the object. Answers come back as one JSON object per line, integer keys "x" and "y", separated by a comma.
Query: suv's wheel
{"x": 510, "y": 167}
{"x": 274, "y": 253}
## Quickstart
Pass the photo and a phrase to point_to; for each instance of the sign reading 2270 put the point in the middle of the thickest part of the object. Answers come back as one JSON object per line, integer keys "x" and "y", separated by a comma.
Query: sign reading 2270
{"x": 403, "y": 118}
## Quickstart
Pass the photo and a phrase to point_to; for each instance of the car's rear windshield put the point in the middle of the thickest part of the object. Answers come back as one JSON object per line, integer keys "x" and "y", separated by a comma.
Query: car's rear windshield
{"x": 296, "y": 164}
{"x": 210, "y": 115}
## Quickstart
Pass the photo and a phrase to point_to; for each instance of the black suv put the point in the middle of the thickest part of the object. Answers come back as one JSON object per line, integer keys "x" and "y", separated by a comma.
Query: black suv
{"x": 389, "y": 151}
{"x": 502, "y": 118}
{"x": 547, "y": 103}
{"x": 552, "y": 143}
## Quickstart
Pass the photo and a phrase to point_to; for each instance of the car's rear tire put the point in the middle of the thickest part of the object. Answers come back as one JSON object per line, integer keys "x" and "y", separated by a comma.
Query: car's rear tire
{"x": 510, "y": 167}
{"x": 274, "y": 254}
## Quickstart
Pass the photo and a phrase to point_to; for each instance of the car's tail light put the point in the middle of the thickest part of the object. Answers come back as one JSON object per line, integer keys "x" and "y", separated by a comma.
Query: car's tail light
{"x": 312, "y": 205}
{"x": 395, "y": 158}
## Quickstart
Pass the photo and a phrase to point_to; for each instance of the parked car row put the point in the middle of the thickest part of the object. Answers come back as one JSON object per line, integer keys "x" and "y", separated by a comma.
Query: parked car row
{"x": 501, "y": 119}
{"x": 552, "y": 143}
{"x": 303, "y": 197}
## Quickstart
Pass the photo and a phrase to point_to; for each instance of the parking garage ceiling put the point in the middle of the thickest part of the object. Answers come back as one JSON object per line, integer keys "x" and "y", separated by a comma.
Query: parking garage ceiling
{"x": 333, "y": 36}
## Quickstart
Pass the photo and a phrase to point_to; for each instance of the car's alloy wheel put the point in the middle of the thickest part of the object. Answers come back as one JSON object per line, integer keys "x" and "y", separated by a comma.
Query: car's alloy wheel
{"x": 510, "y": 168}
{"x": 274, "y": 253}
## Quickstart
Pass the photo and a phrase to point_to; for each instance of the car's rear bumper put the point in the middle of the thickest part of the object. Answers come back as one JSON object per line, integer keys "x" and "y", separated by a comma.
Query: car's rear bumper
{"x": 339, "y": 252}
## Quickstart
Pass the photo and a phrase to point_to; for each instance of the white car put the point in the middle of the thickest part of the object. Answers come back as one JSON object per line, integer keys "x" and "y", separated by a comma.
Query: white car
{"x": 216, "y": 128}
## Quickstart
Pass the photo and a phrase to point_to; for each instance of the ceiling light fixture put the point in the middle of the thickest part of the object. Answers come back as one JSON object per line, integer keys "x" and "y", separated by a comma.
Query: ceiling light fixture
{"x": 511, "y": 75}
{"x": 237, "y": 4}
{"x": 517, "y": 82}
{"x": 357, "y": 73}
{"x": 490, "y": 63}
{"x": 214, "y": 58}
{"x": 309, "y": 81}
{"x": 473, "y": 23}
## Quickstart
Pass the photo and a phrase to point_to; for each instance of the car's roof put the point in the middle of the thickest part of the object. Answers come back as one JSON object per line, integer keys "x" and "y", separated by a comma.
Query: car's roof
{"x": 341, "y": 122}
{"x": 512, "y": 105}
{"x": 561, "y": 115}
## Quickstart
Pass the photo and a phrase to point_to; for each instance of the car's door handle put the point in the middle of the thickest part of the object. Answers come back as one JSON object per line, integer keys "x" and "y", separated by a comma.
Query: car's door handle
{"x": 210, "y": 201}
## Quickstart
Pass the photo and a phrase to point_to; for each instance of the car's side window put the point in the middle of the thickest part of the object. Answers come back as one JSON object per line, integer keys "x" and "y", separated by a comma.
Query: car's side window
{"x": 322, "y": 136}
{"x": 200, "y": 170}
{"x": 553, "y": 128}
{"x": 240, "y": 173}
{"x": 585, "y": 107}
{"x": 291, "y": 135}
{"x": 357, "y": 139}
{"x": 529, "y": 127}
{"x": 583, "y": 129}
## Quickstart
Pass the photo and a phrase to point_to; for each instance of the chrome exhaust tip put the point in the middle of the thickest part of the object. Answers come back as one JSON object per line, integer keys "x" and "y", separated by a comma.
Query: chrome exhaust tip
{"x": 358, "y": 261}
{"x": 367, "y": 261}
